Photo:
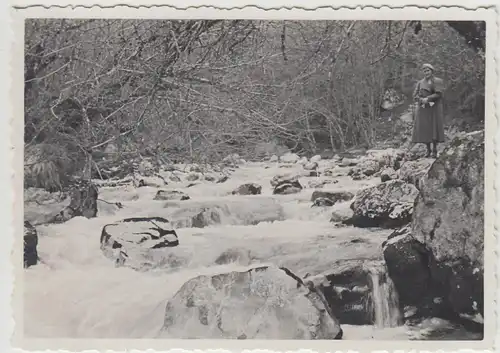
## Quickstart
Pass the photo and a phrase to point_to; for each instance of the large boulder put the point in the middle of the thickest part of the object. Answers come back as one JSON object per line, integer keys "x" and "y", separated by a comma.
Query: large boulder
{"x": 408, "y": 265}
{"x": 413, "y": 171}
{"x": 387, "y": 205}
{"x": 449, "y": 220}
{"x": 133, "y": 241}
{"x": 258, "y": 303}
{"x": 248, "y": 189}
{"x": 421, "y": 289}
{"x": 437, "y": 263}
{"x": 30, "y": 245}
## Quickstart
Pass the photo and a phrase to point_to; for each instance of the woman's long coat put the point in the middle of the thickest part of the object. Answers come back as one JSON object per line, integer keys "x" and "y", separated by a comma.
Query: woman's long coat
{"x": 428, "y": 119}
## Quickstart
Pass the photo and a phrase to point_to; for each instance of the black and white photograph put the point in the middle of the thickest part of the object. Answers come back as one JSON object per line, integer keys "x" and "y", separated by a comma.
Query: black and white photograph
{"x": 251, "y": 179}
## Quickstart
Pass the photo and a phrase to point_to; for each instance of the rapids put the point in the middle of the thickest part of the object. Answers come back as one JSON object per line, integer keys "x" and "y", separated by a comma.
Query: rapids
{"x": 76, "y": 292}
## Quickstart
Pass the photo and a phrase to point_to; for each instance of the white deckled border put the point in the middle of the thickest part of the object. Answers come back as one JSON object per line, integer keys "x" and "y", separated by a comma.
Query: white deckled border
{"x": 11, "y": 129}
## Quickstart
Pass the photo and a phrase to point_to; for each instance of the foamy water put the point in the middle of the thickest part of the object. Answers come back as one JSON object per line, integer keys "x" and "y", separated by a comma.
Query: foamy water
{"x": 76, "y": 292}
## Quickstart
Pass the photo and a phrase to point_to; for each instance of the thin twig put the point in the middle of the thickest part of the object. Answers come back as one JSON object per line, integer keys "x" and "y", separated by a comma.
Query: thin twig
{"x": 49, "y": 74}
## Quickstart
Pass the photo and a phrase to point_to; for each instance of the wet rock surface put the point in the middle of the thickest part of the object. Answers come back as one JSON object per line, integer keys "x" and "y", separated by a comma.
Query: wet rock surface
{"x": 449, "y": 220}
{"x": 132, "y": 241}
{"x": 30, "y": 245}
{"x": 248, "y": 189}
{"x": 407, "y": 261}
{"x": 360, "y": 293}
{"x": 262, "y": 302}
{"x": 387, "y": 205}
{"x": 388, "y": 174}
{"x": 414, "y": 171}
{"x": 347, "y": 291}
{"x": 442, "y": 250}
{"x": 277, "y": 179}
{"x": 287, "y": 187}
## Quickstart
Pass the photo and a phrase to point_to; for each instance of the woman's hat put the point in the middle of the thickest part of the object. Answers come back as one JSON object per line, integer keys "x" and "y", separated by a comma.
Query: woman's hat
{"x": 428, "y": 66}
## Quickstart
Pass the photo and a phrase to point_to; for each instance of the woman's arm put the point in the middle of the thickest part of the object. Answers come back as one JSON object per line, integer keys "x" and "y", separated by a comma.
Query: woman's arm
{"x": 438, "y": 90}
{"x": 434, "y": 97}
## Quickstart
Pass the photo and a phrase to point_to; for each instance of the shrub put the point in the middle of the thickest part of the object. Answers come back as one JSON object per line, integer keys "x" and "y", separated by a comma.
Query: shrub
{"x": 47, "y": 166}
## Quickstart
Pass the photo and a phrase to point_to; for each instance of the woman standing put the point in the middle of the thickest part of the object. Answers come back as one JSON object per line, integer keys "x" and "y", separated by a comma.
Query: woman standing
{"x": 428, "y": 119}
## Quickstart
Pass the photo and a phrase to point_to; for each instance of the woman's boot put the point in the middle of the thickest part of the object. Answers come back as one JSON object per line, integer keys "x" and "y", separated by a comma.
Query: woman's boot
{"x": 434, "y": 150}
{"x": 428, "y": 150}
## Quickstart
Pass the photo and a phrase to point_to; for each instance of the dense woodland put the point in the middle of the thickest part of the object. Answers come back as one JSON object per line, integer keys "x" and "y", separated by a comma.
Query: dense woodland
{"x": 199, "y": 90}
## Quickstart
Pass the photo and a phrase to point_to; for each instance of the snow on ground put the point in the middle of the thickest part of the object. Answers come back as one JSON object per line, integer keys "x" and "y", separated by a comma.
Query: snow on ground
{"x": 78, "y": 293}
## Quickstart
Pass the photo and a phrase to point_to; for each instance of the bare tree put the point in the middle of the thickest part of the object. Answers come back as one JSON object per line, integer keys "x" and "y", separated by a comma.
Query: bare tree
{"x": 198, "y": 90}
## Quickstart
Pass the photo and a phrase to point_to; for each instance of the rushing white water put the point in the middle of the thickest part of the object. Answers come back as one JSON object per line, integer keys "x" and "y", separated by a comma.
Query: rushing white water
{"x": 384, "y": 297}
{"x": 76, "y": 292}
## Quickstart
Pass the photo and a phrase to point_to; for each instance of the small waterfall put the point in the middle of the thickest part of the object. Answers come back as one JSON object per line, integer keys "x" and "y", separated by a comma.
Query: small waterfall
{"x": 384, "y": 297}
